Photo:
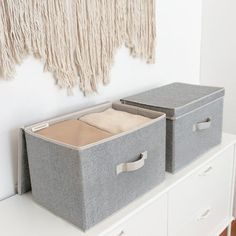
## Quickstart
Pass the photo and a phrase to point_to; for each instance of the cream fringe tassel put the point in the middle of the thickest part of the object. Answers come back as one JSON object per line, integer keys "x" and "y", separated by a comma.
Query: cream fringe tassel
{"x": 75, "y": 38}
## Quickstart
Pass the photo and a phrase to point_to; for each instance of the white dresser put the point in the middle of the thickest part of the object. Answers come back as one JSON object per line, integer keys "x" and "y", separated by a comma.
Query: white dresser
{"x": 197, "y": 201}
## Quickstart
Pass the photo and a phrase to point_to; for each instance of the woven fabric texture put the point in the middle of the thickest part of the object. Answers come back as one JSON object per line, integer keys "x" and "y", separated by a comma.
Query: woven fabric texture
{"x": 76, "y": 39}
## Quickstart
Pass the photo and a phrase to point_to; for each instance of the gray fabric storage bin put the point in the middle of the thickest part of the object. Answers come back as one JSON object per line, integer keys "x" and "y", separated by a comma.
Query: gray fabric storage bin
{"x": 194, "y": 119}
{"x": 82, "y": 184}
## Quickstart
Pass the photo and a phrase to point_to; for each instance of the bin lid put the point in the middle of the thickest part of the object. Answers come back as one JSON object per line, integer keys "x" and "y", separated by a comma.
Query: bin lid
{"x": 176, "y": 99}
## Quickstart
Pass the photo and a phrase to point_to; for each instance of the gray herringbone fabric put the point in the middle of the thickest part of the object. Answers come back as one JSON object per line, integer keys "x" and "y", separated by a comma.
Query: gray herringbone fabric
{"x": 185, "y": 106}
{"x": 81, "y": 184}
{"x": 24, "y": 184}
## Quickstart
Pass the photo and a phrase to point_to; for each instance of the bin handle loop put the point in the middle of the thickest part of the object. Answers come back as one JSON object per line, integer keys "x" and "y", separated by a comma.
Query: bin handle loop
{"x": 202, "y": 125}
{"x": 132, "y": 166}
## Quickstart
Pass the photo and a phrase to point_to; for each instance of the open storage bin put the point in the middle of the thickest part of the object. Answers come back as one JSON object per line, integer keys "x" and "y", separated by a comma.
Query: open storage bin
{"x": 194, "y": 119}
{"x": 86, "y": 184}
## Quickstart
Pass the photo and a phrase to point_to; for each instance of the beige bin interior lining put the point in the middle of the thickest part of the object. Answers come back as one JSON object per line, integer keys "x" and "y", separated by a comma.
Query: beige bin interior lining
{"x": 93, "y": 127}
{"x": 59, "y": 137}
{"x": 74, "y": 132}
{"x": 114, "y": 121}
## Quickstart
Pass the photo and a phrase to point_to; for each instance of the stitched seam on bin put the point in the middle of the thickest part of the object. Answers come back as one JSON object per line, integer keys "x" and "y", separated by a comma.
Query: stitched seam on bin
{"x": 84, "y": 223}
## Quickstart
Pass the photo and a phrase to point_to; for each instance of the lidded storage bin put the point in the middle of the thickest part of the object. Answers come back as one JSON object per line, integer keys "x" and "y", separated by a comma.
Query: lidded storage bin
{"x": 194, "y": 119}
{"x": 88, "y": 183}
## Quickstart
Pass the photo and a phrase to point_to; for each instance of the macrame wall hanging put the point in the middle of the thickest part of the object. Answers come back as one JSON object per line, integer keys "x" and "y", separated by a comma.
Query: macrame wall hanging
{"x": 76, "y": 39}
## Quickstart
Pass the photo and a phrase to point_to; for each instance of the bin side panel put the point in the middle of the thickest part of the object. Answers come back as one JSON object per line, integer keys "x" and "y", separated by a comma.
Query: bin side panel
{"x": 56, "y": 179}
{"x": 190, "y": 144}
{"x": 107, "y": 192}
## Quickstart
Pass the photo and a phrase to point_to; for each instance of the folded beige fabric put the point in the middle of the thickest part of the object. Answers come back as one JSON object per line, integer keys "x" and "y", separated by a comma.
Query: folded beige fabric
{"x": 74, "y": 132}
{"x": 114, "y": 121}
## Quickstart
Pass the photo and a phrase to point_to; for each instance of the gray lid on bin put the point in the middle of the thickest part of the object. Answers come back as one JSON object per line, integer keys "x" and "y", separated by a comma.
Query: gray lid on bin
{"x": 176, "y": 99}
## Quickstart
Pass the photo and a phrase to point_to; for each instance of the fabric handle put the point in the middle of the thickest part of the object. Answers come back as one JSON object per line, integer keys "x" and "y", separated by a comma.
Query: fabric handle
{"x": 202, "y": 125}
{"x": 132, "y": 166}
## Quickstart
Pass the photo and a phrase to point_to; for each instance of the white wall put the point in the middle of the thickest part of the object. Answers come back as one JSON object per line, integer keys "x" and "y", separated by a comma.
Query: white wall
{"x": 218, "y": 54}
{"x": 32, "y": 95}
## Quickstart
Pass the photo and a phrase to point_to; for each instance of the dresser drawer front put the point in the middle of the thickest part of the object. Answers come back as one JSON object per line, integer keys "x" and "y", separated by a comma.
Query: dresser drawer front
{"x": 211, "y": 218}
{"x": 202, "y": 201}
{"x": 151, "y": 221}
